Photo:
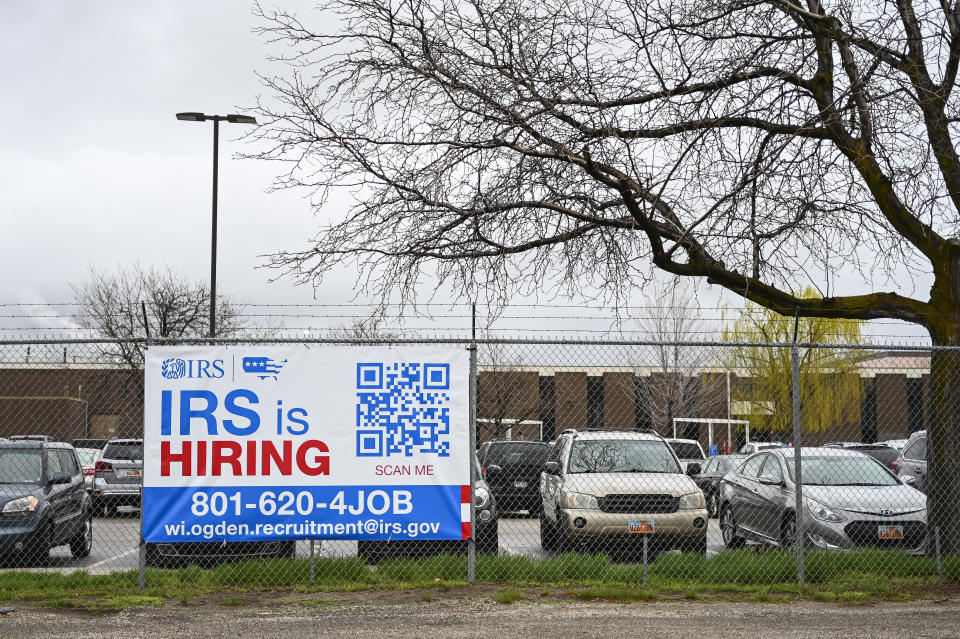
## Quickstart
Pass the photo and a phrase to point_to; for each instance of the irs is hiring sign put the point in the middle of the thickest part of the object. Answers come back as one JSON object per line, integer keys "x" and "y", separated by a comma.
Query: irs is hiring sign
{"x": 253, "y": 443}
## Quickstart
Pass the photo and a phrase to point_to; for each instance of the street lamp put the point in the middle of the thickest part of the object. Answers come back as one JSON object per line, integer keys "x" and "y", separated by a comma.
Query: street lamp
{"x": 193, "y": 116}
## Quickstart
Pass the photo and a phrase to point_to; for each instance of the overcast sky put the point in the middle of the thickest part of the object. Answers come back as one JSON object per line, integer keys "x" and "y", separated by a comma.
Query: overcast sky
{"x": 95, "y": 170}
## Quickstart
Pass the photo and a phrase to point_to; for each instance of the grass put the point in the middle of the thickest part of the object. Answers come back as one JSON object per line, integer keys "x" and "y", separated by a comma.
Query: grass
{"x": 508, "y": 596}
{"x": 764, "y": 575}
{"x": 231, "y": 601}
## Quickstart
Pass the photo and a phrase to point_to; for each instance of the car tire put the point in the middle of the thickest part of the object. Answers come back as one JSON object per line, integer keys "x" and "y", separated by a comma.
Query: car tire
{"x": 728, "y": 528}
{"x": 153, "y": 557}
{"x": 548, "y": 534}
{"x": 788, "y": 531}
{"x": 697, "y": 546}
{"x": 369, "y": 552}
{"x": 489, "y": 543}
{"x": 81, "y": 544}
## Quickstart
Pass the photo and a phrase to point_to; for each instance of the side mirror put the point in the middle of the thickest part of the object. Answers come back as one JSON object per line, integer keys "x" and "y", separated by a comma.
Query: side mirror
{"x": 693, "y": 468}
{"x": 493, "y": 469}
{"x": 60, "y": 478}
{"x": 551, "y": 468}
{"x": 769, "y": 480}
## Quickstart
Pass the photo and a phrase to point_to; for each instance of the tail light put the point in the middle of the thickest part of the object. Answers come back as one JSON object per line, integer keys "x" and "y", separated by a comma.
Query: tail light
{"x": 483, "y": 471}
{"x": 895, "y": 464}
{"x": 88, "y": 470}
{"x": 103, "y": 467}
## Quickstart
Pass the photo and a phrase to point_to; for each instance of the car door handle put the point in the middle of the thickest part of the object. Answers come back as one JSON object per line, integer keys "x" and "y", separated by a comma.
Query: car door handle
{"x": 917, "y": 470}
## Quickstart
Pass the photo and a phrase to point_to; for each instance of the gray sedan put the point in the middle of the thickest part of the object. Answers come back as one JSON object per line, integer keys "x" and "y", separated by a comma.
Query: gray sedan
{"x": 848, "y": 500}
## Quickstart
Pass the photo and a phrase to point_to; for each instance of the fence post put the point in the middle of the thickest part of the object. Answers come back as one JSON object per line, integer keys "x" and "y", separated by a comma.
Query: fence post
{"x": 142, "y": 550}
{"x": 798, "y": 467}
{"x": 471, "y": 541}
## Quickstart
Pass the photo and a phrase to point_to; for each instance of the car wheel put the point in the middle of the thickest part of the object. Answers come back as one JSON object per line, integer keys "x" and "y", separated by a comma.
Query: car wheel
{"x": 152, "y": 556}
{"x": 548, "y": 534}
{"x": 369, "y": 552}
{"x": 81, "y": 544}
{"x": 788, "y": 531}
{"x": 697, "y": 546}
{"x": 489, "y": 543}
{"x": 728, "y": 528}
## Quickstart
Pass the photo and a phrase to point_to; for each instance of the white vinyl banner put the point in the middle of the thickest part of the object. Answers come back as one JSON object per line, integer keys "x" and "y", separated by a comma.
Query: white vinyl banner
{"x": 250, "y": 443}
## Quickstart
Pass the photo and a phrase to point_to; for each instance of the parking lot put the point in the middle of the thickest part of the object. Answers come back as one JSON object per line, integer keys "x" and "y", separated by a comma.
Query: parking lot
{"x": 115, "y": 544}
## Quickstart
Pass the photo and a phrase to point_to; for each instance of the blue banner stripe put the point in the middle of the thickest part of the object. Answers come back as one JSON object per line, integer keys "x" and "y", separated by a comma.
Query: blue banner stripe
{"x": 264, "y": 513}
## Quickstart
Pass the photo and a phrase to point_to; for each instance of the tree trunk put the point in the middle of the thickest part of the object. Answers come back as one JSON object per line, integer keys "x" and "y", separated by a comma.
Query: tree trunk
{"x": 943, "y": 439}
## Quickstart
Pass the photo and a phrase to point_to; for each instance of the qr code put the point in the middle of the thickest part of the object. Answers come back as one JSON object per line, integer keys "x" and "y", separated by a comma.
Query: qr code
{"x": 403, "y": 408}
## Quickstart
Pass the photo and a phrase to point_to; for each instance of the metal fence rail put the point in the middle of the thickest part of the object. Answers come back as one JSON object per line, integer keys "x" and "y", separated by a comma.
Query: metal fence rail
{"x": 596, "y": 459}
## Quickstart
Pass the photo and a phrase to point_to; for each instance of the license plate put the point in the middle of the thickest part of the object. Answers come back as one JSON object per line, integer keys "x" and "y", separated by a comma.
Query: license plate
{"x": 641, "y": 526}
{"x": 132, "y": 473}
{"x": 519, "y": 484}
{"x": 890, "y": 532}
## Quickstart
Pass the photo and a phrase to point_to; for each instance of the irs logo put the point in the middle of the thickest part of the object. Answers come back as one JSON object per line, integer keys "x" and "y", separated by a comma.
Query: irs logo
{"x": 173, "y": 368}
{"x": 262, "y": 367}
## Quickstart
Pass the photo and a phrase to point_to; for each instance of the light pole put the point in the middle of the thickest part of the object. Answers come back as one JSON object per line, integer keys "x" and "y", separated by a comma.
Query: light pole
{"x": 193, "y": 116}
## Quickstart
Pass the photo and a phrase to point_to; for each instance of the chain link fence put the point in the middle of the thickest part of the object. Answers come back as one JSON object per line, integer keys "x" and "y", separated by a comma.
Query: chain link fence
{"x": 623, "y": 462}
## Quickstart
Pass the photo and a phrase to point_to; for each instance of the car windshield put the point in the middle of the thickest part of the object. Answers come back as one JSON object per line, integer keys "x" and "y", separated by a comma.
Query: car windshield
{"x": 842, "y": 471}
{"x": 687, "y": 450}
{"x": 21, "y": 466}
{"x": 517, "y": 454}
{"x": 886, "y": 455}
{"x": 128, "y": 451}
{"x": 622, "y": 456}
{"x": 86, "y": 457}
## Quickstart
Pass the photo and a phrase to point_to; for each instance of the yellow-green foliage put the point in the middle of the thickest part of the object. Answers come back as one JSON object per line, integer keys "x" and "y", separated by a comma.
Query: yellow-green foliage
{"x": 830, "y": 389}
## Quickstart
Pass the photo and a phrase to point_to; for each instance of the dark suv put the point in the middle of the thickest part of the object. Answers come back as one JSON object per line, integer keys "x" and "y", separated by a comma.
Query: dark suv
{"x": 512, "y": 470}
{"x": 44, "y": 501}
{"x": 911, "y": 465}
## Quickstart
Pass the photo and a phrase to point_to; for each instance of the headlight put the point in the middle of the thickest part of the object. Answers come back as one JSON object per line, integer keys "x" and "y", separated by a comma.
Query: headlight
{"x": 693, "y": 501}
{"x": 481, "y": 497}
{"x": 822, "y": 512}
{"x": 579, "y": 500}
{"x": 21, "y": 505}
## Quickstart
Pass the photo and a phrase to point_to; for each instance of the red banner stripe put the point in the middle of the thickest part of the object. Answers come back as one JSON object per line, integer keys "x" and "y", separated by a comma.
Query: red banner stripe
{"x": 465, "y": 530}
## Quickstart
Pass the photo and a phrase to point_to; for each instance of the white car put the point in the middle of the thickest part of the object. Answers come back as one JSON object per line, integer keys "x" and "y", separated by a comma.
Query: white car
{"x": 88, "y": 459}
{"x": 755, "y": 447}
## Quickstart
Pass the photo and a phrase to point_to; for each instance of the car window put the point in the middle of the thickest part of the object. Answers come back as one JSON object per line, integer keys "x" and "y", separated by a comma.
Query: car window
{"x": 771, "y": 468}
{"x": 86, "y": 457}
{"x": 852, "y": 470}
{"x": 710, "y": 467}
{"x": 622, "y": 456}
{"x": 751, "y": 467}
{"x": 68, "y": 461}
{"x": 129, "y": 451}
{"x": 53, "y": 463}
{"x": 686, "y": 450}
{"x": 917, "y": 450}
{"x": 20, "y": 467}
{"x": 517, "y": 455}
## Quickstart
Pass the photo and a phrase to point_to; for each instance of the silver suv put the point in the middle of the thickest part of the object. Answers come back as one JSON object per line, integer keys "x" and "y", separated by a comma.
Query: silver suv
{"x": 118, "y": 476}
{"x": 611, "y": 488}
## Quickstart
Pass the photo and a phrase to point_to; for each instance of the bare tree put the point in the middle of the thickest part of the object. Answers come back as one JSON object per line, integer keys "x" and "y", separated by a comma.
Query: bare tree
{"x": 507, "y": 396}
{"x": 749, "y": 142}
{"x": 679, "y": 386}
{"x": 113, "y": 305}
